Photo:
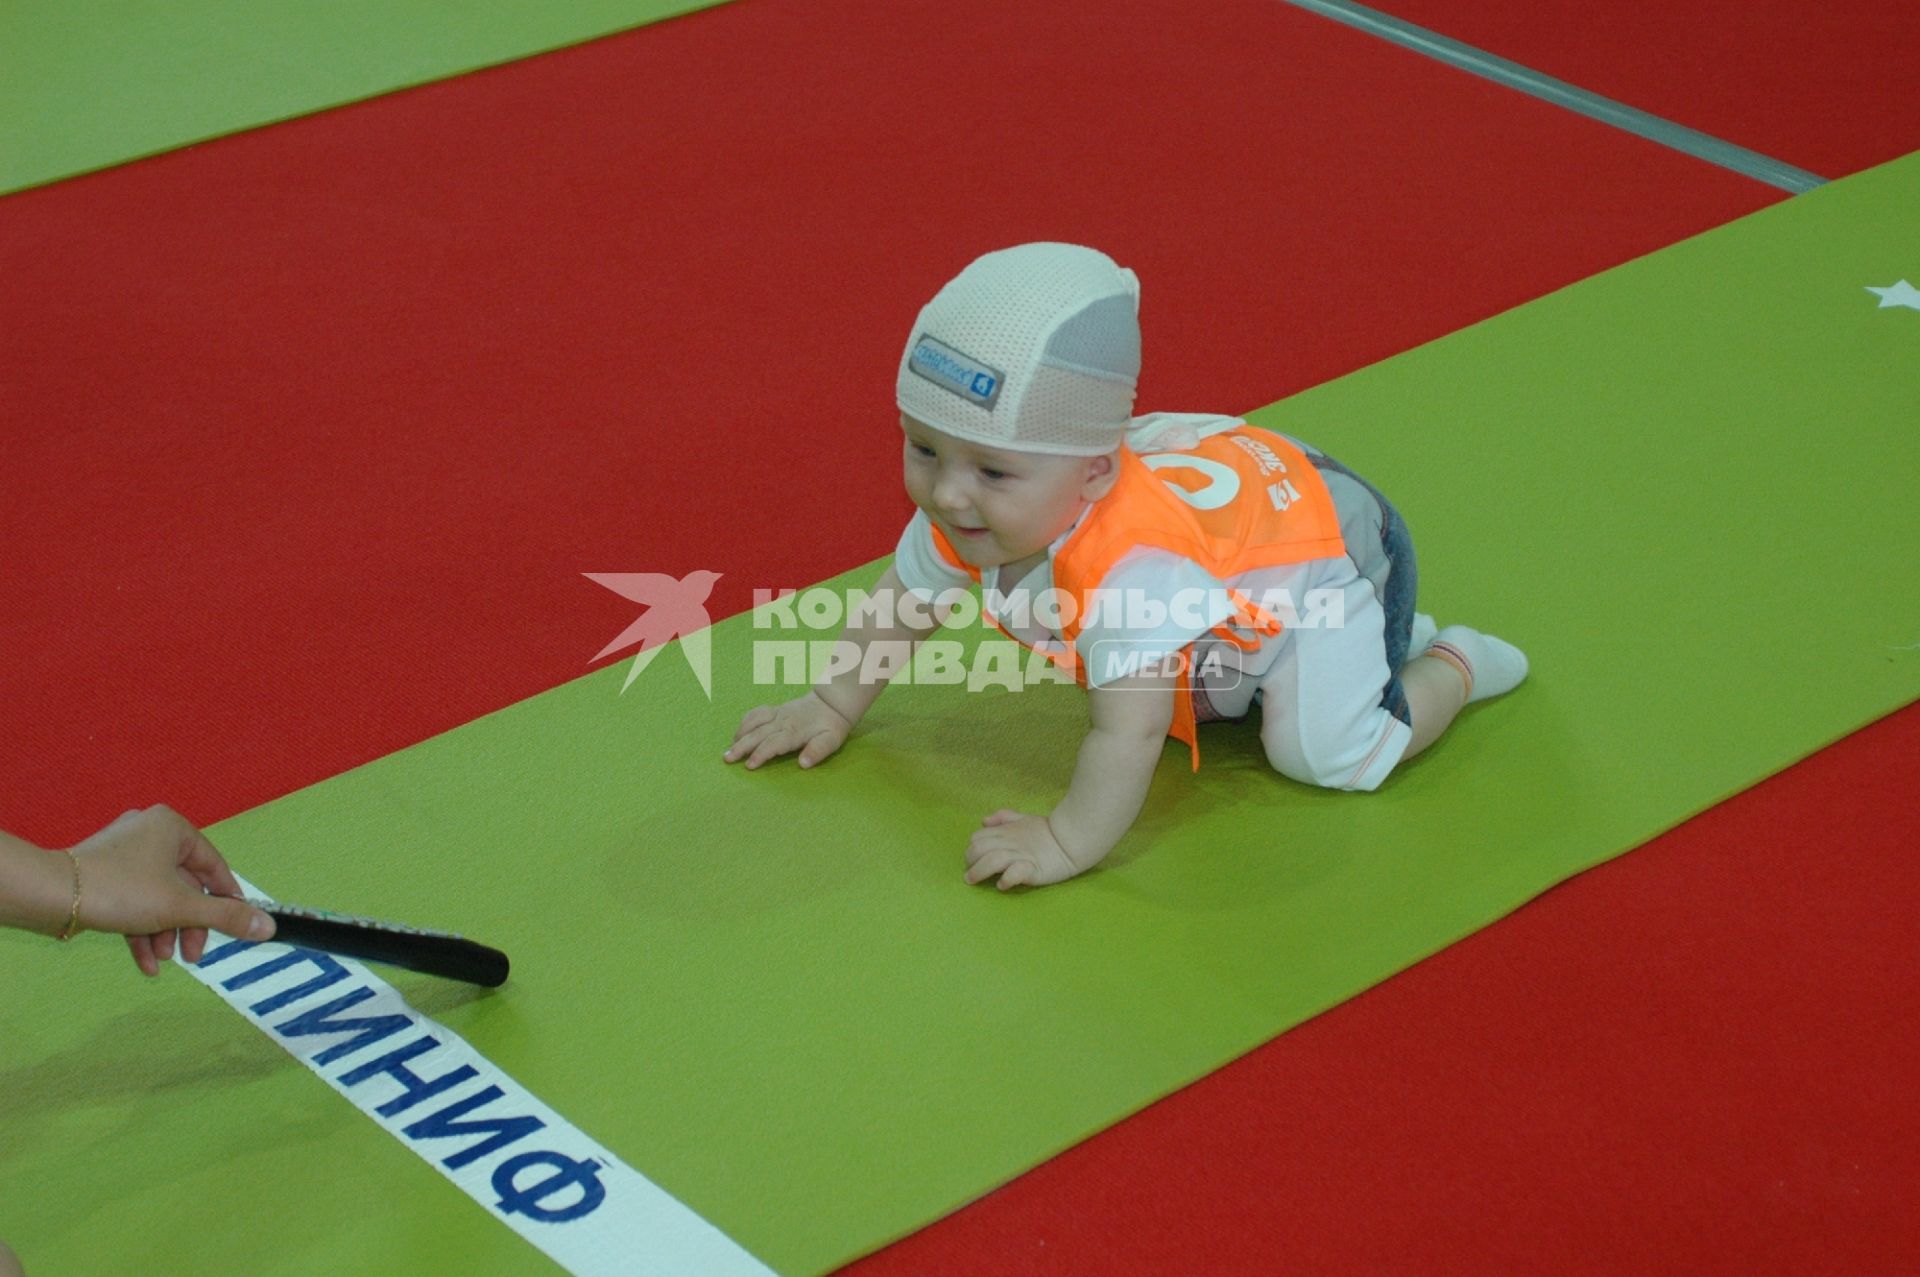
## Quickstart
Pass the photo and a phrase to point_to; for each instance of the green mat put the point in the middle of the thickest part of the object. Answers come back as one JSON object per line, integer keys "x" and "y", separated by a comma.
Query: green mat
{"x": 90, "y": 83}
{"x": 1684, "y": 487}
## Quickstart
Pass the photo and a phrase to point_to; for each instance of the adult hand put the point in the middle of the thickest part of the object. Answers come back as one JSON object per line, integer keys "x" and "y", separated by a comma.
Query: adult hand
{"x": 147, "y": 876}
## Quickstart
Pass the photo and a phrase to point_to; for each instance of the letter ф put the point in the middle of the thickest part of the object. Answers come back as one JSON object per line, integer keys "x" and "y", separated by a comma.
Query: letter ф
{"x": 583, "y": 1173}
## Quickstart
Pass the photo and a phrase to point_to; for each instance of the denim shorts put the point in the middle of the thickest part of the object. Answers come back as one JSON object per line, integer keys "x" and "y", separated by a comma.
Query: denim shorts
{"x": 1382, "y": 551}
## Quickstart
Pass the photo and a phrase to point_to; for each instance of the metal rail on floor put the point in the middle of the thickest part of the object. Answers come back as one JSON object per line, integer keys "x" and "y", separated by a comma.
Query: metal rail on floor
{"x": 1714, "y": 150}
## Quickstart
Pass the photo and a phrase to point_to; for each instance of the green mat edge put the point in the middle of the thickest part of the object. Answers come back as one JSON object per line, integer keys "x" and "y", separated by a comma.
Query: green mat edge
{"x": 34, "y": 179}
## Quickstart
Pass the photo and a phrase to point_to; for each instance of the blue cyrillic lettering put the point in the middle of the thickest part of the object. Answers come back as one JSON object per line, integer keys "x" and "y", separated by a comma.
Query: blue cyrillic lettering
{"x": 503, "y": 1130}
{"x": 582, "y": 1173}
{"x": 331, "y": 972}
{"x": 366, "y": 1030}
{"x": 220, "y": 953}
{"x": 413, "y": 1087}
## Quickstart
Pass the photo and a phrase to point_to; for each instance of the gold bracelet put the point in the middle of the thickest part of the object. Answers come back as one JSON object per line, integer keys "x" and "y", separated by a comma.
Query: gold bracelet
{"x": 72, "y": 928}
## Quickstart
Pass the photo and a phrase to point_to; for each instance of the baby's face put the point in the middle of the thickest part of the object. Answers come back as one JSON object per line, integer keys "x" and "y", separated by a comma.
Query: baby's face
{"x": 994, "y": 505}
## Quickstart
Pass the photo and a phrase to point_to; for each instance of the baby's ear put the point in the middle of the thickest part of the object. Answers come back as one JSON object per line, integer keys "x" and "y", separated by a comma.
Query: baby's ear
{"x": 1101, "y": 474}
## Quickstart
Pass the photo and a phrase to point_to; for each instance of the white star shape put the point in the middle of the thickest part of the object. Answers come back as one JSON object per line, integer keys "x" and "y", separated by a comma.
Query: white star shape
{"x": 1900, "y": 294}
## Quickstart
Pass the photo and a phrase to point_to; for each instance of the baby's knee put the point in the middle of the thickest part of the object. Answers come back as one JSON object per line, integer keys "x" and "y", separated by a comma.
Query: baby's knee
{"x": 1353, "y": 763}
{"x": 9, "y": 1265}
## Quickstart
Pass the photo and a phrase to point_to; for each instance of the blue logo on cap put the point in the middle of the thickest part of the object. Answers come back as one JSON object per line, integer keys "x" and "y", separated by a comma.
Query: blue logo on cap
{"x": 955, "y": 371}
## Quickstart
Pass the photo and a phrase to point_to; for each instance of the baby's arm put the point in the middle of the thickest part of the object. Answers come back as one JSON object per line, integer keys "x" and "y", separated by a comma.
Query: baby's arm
{"x": 817, "y": 724}
{"x": 1117, "y": 758}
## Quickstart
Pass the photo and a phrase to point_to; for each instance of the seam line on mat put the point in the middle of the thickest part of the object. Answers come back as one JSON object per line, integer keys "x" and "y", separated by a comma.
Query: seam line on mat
{"x": 1465, "y": 57}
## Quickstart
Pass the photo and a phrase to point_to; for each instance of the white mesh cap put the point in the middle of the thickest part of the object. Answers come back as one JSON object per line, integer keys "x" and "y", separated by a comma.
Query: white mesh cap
{"x": 1034, "y": 349}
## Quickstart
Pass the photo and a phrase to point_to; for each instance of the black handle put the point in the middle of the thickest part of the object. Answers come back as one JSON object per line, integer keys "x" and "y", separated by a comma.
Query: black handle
{"x": 451, "y": 956}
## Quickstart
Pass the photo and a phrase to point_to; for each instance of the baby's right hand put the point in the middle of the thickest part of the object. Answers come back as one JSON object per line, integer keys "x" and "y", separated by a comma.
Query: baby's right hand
{"x": 807, "y": 724}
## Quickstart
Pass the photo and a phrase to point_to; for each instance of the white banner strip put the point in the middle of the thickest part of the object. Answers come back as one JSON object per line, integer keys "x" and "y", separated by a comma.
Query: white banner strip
{"x": 529, "y": 1167}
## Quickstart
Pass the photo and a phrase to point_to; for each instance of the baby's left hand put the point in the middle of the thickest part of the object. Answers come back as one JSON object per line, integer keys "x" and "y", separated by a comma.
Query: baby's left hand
{"x": 1021, "y": 849}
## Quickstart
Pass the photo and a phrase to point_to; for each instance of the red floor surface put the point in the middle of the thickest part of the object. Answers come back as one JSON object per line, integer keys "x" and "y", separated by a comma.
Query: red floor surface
{"x": 312, "y": 430}
{"x": 1823, "y": 84}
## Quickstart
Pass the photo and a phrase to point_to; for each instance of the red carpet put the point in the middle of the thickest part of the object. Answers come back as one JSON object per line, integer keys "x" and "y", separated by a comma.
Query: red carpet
{"x": 314, "y": 429}
{"x": 1826, "y": 86}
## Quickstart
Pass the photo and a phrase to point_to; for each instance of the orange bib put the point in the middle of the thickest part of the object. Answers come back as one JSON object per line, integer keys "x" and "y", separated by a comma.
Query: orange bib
{"x": 1245, "y": 498}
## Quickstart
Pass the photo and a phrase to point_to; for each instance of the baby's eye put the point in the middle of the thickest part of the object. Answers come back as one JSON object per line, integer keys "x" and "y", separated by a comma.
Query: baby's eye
{"x": 989, "y": 472}
{"x": 921, "y": 450}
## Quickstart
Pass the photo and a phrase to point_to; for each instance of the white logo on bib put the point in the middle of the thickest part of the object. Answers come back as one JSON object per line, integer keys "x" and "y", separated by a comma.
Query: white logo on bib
{"x": 1223, "y": 484}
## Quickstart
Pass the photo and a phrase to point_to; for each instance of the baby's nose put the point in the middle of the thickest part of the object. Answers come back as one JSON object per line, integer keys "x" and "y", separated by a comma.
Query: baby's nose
{"x": 950, "y": 494}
